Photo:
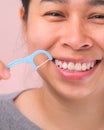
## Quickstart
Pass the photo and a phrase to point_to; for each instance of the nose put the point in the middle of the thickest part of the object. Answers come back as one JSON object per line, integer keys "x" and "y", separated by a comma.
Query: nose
{"x": 76, "y": 36}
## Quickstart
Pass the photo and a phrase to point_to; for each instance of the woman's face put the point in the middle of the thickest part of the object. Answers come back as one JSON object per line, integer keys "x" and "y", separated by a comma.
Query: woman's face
{"x": 73, "y": 32}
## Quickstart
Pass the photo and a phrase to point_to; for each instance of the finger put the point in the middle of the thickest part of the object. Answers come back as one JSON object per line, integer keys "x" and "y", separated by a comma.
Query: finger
{"x": 4, "y": 72}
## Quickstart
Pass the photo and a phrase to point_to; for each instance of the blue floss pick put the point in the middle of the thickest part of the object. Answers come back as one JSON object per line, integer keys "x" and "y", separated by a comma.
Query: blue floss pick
{"x": 30, "y": 60}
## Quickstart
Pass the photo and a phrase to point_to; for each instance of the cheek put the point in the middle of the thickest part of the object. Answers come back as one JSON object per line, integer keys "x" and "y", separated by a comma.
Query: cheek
{"x": 98, "y": 36}
{"x": 40, "y": 36}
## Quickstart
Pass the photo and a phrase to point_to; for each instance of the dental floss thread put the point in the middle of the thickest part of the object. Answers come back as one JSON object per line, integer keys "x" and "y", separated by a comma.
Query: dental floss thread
{"x": 42, "y": 63}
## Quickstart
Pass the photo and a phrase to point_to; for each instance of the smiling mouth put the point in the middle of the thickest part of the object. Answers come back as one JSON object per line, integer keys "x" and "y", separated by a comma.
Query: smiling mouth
{"x": 80, "y": 66}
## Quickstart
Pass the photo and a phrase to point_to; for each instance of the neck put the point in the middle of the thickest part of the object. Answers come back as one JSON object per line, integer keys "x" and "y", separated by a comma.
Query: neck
{"x": 87, "y": 113}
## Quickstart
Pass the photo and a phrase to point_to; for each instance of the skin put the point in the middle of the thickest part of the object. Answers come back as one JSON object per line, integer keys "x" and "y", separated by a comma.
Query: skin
{"x": 4, "y": 72}
{"x": 77, "y": 37}
{"x": 73, "y": 33}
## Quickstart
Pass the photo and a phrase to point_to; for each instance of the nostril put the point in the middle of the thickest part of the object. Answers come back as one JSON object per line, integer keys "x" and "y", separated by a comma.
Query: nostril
{"x": 86, "y": 46}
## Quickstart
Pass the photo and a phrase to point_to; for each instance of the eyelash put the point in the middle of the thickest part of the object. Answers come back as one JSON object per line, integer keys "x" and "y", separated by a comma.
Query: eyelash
{"x": 55, "y": 14}
{"x": 97, "y": 16}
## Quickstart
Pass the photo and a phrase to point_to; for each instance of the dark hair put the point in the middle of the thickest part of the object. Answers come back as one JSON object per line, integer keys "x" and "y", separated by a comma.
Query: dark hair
{"x": 25, "y": 4}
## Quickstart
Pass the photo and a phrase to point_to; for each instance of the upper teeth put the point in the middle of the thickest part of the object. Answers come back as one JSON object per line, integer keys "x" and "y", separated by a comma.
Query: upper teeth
{"x": 75, "y": 66}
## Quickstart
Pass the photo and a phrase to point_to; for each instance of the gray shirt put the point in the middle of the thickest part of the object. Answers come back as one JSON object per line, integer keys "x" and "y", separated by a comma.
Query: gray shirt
{"x": 11, "y": 118}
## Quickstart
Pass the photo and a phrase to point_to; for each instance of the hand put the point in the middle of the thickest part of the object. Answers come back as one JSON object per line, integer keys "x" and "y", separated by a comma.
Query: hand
{"x": 4, "y": 72}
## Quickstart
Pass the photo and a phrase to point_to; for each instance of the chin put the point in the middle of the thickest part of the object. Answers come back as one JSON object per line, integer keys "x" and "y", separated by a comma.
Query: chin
{"x": 75, "y": 92}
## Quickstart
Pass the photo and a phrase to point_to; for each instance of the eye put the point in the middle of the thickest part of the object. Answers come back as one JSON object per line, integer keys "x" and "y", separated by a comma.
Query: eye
{"x": 97, "y": 18}
{"x": 55, "y": 14}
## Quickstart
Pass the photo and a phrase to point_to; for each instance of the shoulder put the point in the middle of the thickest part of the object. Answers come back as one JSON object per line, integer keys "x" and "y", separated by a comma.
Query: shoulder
{"x": 10, "y": 117}
{"x": 6, "y": 97}
{"x": 6, "y": 108}
{"x": 6, "y": 103}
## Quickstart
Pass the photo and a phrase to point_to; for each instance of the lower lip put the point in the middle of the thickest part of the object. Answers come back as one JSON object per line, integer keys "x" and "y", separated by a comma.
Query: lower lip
{"x": 75, "y": 75}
